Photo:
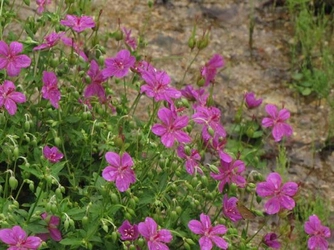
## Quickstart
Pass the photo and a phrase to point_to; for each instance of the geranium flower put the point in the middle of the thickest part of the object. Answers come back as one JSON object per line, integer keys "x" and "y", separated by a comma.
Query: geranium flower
{"x": 191, "y": 160}
{"x": 50, "y": 89}
{"x": 318, "y": 233}
{"x": 50, "y": 41}
{"x": 119, "y": 170}
{"x": 119, "y": 65}
{"x": 270, "y": 240}
{"x": 78, "y": 24}
{"x": 208, "y": 232}
{"x": 230, "y": 172}
{"x": 209, "y": 71}
{"x": 17, "y": 239}
{"x": 280, "y": 194}
{"x": 157, "y": 86}
{"x": 52, "y": 226}
{"x": 95, "y": 87}
{"x": 276, "y": 120}
{"x": 155, "y": 238}
{"x": 199, "y": 96}
{"x": 128, "y": 231}
{"x": 10, "y": 58}
{"x": 129, "y": 41}
{"x": 52, "y": 154}
{"x": 41, "y": 5}
{"x": 218, "y": 144}
{"x": 230, "y": 209}
{"x": 251, "y": 102}
{"x": 171, "y": 128}
{"x": 77, "y": 47}
{"x": 143, "y": 66}
{"x": 9, "y": 97}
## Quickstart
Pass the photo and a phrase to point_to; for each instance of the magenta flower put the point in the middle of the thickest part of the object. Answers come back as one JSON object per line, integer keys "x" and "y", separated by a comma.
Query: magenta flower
{"x": 209, "y": 117}
{"x": 251, "y": 101}
{"x": 50, "y": 41}
{"x": 52, "y": 154}
{"x": 218, "y": 143}
{"x": 95, "y": 87}
{"x": 157, "y": 86}
{"x": 230, "y": 209}
{"x": 78, "y": 24}
{"x": 41, "y": 5}
{"x": 230, "y": 172}
{"x": 199, "y": 96}
{"x": 318, "y": 233}
{"x": 276, "y": 120}
{"x": 119, "y": 66}
{"x": 17, "y": 239}
{"x": 143, "y": 66}
{"x": 9, "y": 97}
{"x": 52, "y": 226}
{"x": 208, "y": 232}
{"x": 170, "y": 129}
{"x": 280, "y": 194}
{"x": 50, "y": 89}
{"x": 10, "y": 58}
{"x": 270, "y": 240}
{"x": 128, "y": 231}
{"x": 78, "y": 48}
{"x": 129, "y": 41}
{"x": 191, "y": 160}
{"x": 209, "y": 71}
{"x": 119, "y": 170}
{"x": 155, "y": 238}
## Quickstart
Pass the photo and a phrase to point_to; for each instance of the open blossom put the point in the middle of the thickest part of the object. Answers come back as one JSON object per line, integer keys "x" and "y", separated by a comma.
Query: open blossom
{"x": 119, "y": 170}
{"x": 78, "y": 24}
{"x": 209, "y": 233}
{"x": 17, "y": 239}
{"x": 78, "y": 47}
{"x": 317, "y": 232}
{"x": 277, "y": 121}
{"x": 251, "y": 102}
{"x": 128, "y": 231}
{"x": 50, "y": 89}
{"x": 119, "y": 65}
{"x": 199, "y": 96}
{"x": 218, "y": 143}
{"x": 50, "y": 41}
{"x": 270, "y": 240}
{"x": 95, "y": 87}
{"x": 230, "y": 209}
{"x": 230, "y": 172}
{"x": 191, "y": 160}
{"x": 9, "y": 97}
{"x": 52, "y": 154}
{"x": 157, "y": 86}
{"x": 129, "y": 41}
{"x": 171, "y": 128}
{"x": 10, "y": 58}
{"x": 209, "y": 71}
{"x": 280, "y": 195}
{"x": 155, "y": 238}
{"x": 41, "y": 5}
{"x": 52, "y": 226}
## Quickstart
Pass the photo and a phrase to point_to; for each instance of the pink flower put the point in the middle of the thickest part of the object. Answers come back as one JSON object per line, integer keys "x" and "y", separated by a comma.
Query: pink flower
{"x": 52, "y": 224}
{"x": 155, "y": 238}
{"x": 270, "y": 240}
{"x": 78, "y": 24}
{"x": 199, "y": 96}
{"x": 230, "y": 172}
{"x": 50, "y": 89}
{"x": 95, "y": 87}
{"x": 251, "y": 102}
{"x": 276, "y": 120}
{"x": 9, "y": 97}
{"x": 208, "y": 232}
{"x": 280, "y": 194}
{"x": 17, "y": 239}
{"x": 128, "y": 231}
{"x": 52, "y": 154}
{"x": 170, "y": 129}
{"x": 191, "y": 160}
{"x": 209, "y": 71}
{"x": 157, "y": 86}
{"x": 50, "y": 41}
{"x": 119, "y": 170}
{"x": 77, "y": 47}
{"x": 230, "y": 209}
{"x": 143, "y": 66}
{"x": 129, "y": 41}
{"x": 10, "y": 58}
{"x": 218, "y": 143}
{"x": 41, "y": 5}
{"x": 318, "y": 233}
{"x": 119, "y": 66}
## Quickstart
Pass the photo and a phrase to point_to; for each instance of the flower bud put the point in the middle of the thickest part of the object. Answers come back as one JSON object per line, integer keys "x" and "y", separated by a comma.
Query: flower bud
{"x": 192, "y": 42}
{"x": 118, "y": 35}
{"x": 26, "y": 2}
{"x": 213, "y": 168}
{"x": 13, "y": 183}
{"x": 200, "y": 82}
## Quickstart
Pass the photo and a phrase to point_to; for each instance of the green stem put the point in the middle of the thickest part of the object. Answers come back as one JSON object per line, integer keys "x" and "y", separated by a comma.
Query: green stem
{"x": 36, "y": 202}
{"x": 191, "y": 63}
{"x": 1, "y": 7}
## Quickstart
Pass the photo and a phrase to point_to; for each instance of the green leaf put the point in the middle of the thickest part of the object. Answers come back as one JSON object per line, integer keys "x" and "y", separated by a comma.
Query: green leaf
{"x": 306, "y": 91}
{"x": 71, "y": 241}
{"x": 56, "y": 168}
{"x": 72, "y": 119}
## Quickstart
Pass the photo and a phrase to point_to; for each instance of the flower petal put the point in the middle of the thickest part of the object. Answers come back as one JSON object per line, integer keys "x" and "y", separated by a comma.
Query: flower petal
{"x": 113, "y": 159}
